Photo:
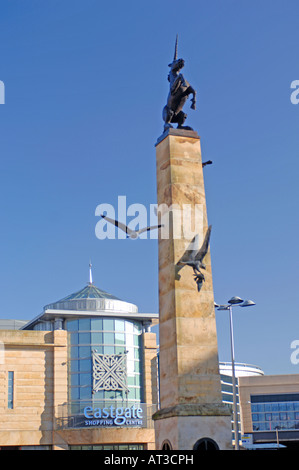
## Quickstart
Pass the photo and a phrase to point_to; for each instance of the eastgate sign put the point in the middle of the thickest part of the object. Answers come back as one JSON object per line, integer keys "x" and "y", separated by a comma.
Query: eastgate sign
{"x": 111, "y": 416}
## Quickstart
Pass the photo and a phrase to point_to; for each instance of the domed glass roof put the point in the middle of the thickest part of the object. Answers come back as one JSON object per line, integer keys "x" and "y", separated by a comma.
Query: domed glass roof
{"x": 89, "y": 292}
{"x": 91, "y": 298}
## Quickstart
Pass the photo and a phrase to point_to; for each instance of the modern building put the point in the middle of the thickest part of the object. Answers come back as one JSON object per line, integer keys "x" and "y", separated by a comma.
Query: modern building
{"x": 81, "y": 375}
{"x": 12, "y": 324}
{"x": 267, "y": 406}
{"x": 241, "y": 370}
{"x": 270, "y": 410}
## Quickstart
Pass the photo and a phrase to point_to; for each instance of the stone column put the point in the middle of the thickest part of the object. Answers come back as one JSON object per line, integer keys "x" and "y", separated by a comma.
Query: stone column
{"x": 190, "y": 390}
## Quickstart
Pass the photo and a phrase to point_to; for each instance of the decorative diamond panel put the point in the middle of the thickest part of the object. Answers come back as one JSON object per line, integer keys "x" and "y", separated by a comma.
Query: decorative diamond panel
{"x": 109, "y": 372}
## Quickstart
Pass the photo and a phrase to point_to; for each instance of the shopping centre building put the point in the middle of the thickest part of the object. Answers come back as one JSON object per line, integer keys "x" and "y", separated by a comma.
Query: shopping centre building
{"x": 81, "y": 375}
{"x": 84, "y": 375}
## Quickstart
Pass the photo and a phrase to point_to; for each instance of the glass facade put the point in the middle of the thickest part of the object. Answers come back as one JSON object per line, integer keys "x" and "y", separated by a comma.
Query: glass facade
{"x": 104, "y": 335}
{"x": 271, "y": 412}
{"x": 110, "y": 447}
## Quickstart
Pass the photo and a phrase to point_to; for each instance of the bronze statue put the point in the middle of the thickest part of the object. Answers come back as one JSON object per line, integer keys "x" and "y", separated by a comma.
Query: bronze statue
{"x": 193, "y": 257}
{"x": 179, "y": 92}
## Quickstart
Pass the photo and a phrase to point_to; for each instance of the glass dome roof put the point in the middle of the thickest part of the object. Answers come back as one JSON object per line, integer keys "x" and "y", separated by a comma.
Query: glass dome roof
{"x": 91, "y": 298}
{"x": 89, "y": 292}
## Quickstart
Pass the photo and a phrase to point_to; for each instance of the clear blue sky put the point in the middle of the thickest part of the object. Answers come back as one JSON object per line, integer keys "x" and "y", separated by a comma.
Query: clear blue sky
{"x": 85, "y": 84}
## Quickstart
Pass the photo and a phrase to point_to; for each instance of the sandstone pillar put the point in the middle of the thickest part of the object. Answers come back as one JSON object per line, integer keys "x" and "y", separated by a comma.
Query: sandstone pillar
{"x": 190, "y": 390}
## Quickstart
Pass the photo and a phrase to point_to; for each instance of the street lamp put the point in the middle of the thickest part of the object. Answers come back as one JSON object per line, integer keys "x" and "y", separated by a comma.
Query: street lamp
{"x": 234, "y": 302}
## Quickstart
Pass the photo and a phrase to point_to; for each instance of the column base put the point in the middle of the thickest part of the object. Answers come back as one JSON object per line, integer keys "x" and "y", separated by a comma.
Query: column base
{"x": 185, "y": 427}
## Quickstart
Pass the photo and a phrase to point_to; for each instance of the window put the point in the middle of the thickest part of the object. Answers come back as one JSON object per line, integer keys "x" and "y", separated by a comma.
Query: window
{"x": 166, "y": 445}
{"x": 105, "y": 336}
{"x": 279, "y": 411}
{"x": 10, "y": 395}
{"x": 109, "y": 447}
{"x": 206, "y": 444}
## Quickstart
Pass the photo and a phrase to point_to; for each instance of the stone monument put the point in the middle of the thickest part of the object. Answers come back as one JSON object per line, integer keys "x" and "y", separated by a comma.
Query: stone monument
{"x": 191, "y": 414}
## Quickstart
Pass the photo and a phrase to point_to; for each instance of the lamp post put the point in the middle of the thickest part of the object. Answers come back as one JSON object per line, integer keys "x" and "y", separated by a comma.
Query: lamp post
{"x": 234, "y": 302}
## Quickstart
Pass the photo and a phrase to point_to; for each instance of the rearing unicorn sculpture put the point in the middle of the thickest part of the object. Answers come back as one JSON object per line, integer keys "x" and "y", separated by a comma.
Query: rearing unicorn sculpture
{"x": 179, "y": 92}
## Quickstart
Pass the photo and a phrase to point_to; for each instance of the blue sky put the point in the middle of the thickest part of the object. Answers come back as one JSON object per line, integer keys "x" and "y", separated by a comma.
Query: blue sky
{"x": 85, "y": 84}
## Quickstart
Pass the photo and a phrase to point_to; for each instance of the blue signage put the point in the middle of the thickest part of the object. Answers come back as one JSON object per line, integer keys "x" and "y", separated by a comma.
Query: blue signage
{"x": 109, "y": 416}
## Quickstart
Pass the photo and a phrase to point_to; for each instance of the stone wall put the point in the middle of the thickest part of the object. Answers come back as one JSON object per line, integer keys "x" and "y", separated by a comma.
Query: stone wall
{"x": 39, "y": 362}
